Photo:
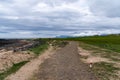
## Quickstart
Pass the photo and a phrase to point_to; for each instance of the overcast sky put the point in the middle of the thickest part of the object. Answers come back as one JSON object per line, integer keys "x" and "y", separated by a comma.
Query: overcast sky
{"x": 50, "y": 18}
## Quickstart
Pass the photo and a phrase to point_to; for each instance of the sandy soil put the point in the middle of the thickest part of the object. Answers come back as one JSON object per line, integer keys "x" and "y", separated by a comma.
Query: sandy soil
{"x": 31, "y": 67}
{"x": 90, "y": 58}
{"x": 8, "y": 58}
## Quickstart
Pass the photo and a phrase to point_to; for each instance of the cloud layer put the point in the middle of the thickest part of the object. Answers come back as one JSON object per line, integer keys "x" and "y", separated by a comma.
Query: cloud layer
{"x": 50, "y": 18}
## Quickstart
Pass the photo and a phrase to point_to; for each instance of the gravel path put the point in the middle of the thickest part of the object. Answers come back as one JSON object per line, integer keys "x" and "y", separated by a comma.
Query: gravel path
{"x": 65, "y": 64}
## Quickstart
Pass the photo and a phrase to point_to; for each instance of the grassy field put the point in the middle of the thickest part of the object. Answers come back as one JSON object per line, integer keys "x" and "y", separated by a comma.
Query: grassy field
{"x": 111, "y": 42}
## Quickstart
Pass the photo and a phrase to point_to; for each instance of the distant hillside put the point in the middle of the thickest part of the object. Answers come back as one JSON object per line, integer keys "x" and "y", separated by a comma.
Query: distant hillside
{"x": 68, "y": 36}
{"x": 6, "y": 41}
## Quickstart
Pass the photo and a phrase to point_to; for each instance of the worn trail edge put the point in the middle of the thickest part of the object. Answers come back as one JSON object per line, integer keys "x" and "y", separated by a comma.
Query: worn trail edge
{"x": 65, "y": 64}
{"x": 31, "y": 67}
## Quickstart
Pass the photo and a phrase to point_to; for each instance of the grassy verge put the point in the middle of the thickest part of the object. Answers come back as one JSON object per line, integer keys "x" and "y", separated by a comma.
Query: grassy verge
{"x": 105, "y": 71}
{"x": 39, "y": 49}
{"x": 106, "y": 53}
{"x": 13, "y": 69}
{"x": 108, "y": 42}
{"x": 59, "y": 43}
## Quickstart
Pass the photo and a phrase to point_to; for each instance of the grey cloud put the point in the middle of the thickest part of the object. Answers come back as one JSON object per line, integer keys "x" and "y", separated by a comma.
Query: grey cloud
{"x": 105, "y": 7}
{"x": 58, "y": 2}
{"x": 42, "y": 18}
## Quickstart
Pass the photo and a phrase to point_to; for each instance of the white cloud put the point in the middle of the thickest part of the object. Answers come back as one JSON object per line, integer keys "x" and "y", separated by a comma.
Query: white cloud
{"x": 90, "y": 33}
{"x": 10, "y": 17}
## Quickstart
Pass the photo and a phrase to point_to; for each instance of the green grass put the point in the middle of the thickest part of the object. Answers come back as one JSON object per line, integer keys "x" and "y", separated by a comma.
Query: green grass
{"x": 105, "y": 70}
{"x": 39, "y": 49}
{"x": 111, "y": 42}
{"x": 13, "y": 69}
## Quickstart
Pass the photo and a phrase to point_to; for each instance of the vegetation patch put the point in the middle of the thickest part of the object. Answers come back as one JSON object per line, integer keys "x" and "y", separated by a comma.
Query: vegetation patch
{"x": 105, "y": 71}
{"x": 39, "y": 49}
{"x": 97, "y": 51}
{"x": 111, "y": 42}
{"x": 13, "y": 69}
{"x": 59, "y": 43}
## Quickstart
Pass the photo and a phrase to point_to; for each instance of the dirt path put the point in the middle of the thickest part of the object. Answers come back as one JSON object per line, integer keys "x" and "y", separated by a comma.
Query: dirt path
{"x": 65, "y": 64}
{"x": 30, "y": 68}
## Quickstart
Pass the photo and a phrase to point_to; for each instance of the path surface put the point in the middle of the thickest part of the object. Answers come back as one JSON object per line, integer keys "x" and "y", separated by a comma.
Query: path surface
{"x": 65, "y": 64}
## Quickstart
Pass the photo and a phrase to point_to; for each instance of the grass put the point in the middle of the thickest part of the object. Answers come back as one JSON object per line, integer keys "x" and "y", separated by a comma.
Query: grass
{"x": 97, "y": 51}
{"x": 13, "y": 69}
{"x": 39, "y": 49}
{"x": 111, "y": 42}
{"x": 59, "y": 43}
{"x": 105, "y": 70}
